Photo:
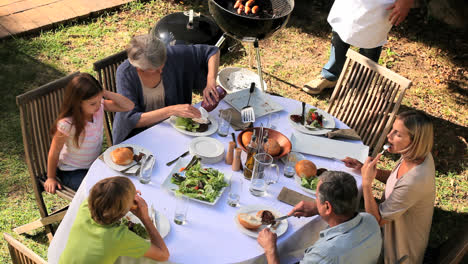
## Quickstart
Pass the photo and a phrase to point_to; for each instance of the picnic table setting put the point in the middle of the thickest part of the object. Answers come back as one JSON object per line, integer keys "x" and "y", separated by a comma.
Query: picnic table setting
{"x": 205, "y": 184}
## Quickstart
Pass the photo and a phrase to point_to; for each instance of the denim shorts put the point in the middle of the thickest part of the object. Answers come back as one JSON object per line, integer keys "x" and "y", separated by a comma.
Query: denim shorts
{"x": 72, "y": 179}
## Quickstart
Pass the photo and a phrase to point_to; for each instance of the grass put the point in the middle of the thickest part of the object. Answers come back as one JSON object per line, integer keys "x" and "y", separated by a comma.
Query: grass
{"x": 425, "y": 54}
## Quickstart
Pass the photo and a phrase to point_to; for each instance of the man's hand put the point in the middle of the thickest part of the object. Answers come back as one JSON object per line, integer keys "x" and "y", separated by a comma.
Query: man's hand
{"x": 399, "y": 11}
{"x": 51, "y": 184}
{"x": 185, "y": 110}
{"x": 267, "y": 240}
{"x": 210, "y": 91}
{"x": 304, "y": 208}
{"x": 141, "y": 210}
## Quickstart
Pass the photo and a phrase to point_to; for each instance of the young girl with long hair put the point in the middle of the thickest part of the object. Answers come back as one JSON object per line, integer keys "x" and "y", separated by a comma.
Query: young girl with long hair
{"x": 78, "y": 130}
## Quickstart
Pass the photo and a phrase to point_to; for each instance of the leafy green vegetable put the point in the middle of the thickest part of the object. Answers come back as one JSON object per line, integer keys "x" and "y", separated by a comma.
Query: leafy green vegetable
{"x": 136, "y": 228}
{"x": 310, "y": 183}
{"x": 186, "y": 124}
{"x": 201, "y": 183}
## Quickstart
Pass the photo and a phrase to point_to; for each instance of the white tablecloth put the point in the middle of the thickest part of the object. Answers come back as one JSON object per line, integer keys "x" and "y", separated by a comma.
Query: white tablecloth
{"x": 210, "y": 234}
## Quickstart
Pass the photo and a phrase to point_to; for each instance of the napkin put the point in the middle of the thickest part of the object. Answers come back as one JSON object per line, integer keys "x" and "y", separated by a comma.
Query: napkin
{"x": 292, "y": 197}
{"x": 344, "y": 133}
{"x": 236, "y": 120}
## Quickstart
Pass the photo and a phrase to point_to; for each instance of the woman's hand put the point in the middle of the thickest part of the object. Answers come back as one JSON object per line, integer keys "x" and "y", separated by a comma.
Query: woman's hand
{"x": 352, "y": 163}
{"x": 51, "y": 184}
{"x": 369, "y": 170}
{"x": 141, "y": 210}
{"x": 210, "y": 90}
{"x": 185, "y": 110}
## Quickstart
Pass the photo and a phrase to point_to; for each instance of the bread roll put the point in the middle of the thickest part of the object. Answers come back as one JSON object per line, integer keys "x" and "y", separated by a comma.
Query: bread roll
{"x": 122, "y": 156}
{"x": 249, "y": 221}
{"x": 266, "y": 217}
{"x": 246, "y": 137}
{"x": 306, "y": 169}
{"x": 272, "y": 147}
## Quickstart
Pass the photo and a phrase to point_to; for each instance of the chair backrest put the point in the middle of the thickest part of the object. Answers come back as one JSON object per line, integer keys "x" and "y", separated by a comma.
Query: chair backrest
{"x": 367, "y": 97}
{"x": 106, "y": 70}
{"x": 20, "y": 253}
{"x": 38, "y": 110}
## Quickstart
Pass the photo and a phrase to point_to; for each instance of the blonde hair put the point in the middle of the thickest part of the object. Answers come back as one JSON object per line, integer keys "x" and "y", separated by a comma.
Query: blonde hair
{"x": 110, "y": 199}
{"x": 421, "y": 132}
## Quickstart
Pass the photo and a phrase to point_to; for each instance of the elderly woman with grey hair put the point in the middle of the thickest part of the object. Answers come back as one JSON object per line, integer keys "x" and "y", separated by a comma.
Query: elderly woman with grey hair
{"x": 160, "y": 80}
{"x": 351, "y": 237}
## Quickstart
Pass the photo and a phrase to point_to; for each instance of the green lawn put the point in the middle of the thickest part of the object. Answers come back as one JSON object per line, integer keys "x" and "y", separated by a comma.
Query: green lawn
{"x": 290, "y": 58}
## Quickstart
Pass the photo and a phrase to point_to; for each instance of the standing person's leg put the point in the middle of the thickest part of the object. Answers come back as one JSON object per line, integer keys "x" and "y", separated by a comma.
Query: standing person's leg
{"x": 332, "y": 70}
{"x": 373, "y": 54}
{"x": 72, "y": 179}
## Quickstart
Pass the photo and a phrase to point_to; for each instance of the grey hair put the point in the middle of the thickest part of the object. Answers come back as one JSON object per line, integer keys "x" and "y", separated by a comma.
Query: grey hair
{"x": 146, "y": 51}
{"x": 340, "y": 190}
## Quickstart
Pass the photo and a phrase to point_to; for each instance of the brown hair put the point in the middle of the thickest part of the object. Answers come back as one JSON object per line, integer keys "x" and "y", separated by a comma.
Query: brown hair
{"x": 421, "y": 132}
{"x": 110, "y": 199}
{"x": 82, "y": 87}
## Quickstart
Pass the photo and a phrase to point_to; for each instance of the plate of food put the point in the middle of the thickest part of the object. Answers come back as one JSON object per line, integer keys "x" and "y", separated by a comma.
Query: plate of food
{"x": 307, "y": 175}
{"x": 124, "y": 157}
{"x": 189, "y": 178}
{"x": 318, "y": 122}
{"x": 195, "y": 127}
{"x": 134, "y": 224}
{"x": 234, "y": 79}
{"x": 254, "y": 218}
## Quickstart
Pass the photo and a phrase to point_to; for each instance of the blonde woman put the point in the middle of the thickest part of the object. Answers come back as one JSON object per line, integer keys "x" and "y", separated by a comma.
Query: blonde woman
{"x": 406, "y": 212}
{"x": 97, "y": 236}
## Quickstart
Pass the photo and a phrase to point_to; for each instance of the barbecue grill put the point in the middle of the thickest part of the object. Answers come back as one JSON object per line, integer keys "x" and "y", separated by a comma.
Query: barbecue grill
{"x": 250, "y": 27}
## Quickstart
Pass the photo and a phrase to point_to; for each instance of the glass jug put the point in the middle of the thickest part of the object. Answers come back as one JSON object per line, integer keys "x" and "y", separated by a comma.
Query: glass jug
{"x": 264, "y": 173}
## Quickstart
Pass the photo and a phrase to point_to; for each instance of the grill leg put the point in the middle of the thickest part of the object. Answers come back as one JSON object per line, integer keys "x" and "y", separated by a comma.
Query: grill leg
{"x": 259, "y": 64}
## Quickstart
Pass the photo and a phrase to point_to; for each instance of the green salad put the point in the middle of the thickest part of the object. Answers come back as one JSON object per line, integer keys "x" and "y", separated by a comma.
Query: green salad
{"x": 136, "y": 228}
{"x": 310, "y": 183}
{"x": 187, "y": 124}
{"x": 200, "y": 183}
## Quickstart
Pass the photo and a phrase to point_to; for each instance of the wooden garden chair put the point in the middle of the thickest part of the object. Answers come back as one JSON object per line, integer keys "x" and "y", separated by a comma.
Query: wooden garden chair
{"x": 38, "y": 110}
{"x": 106, "y": 70}
{"x": 367, "y": 97}
{"x": 20, "y": 253}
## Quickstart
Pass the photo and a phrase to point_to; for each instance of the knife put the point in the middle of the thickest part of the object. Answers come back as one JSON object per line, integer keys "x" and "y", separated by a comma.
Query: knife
{"x": 282, "y": 218}
{"x": 303, "y": 113}
{"x": 174, "y": 160}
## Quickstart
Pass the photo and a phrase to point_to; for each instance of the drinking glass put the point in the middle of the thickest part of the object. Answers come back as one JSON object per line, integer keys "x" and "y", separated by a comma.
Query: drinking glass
{"x": 264, "y": 173}
{"x": 224, "y": 123}
{"x": 146, "y": 169}
{"x": 235, "y": 190}
{"x": 290, "y": 164}
{"x": 273, "y": 118}
{"x": 181, "y": 208}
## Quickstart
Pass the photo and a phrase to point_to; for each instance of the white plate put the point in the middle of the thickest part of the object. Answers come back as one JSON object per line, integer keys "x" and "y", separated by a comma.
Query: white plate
{"x": 253, "y": 209}
{"x": 212, "y": 128}
{"x": 260, "y": 101}
{"x": 209, "y": 149}
{"x": 328, "y": 148}
{"x": 234, "y": 79}
{"x": 328, "y": 122}
{"x": 136, "y": 149}
{"x": 297, "y": 179}
{"x": 164, "y": 225}
{"x": 168, "y": 185}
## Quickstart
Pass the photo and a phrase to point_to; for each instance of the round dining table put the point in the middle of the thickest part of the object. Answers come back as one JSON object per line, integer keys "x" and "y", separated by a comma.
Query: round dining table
{"x": 210, "y": 234}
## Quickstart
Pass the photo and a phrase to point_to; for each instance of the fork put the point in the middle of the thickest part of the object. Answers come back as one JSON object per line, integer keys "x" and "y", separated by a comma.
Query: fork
{"x": 385, "y": 147}
{"x": 138, "y": 163}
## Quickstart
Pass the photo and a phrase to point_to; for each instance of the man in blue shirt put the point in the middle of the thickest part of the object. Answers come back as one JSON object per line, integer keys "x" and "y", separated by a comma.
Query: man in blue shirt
{"x": 350, "y": 238}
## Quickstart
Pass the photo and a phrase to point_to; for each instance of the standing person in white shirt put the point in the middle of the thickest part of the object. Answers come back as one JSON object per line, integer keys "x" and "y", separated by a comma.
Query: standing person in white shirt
{"x": 360, "y": 23}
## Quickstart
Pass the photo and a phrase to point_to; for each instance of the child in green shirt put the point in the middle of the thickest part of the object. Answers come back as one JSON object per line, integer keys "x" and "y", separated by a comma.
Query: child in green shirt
{"x": 97, "y": 236}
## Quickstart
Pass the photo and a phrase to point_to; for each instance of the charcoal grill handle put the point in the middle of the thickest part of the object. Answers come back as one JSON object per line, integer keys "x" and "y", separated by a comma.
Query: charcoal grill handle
{"x": 190, "y": 22}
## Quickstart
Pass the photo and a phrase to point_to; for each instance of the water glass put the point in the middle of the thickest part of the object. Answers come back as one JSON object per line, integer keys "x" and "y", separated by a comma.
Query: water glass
{"x": 235, "y": 190}
{"x": 273, "y": 118}
{"x": 290, "y": 164}
{"x": 181, "y": 208}
{"x": 146, "y": 169}
{"x": 224, "y": 123}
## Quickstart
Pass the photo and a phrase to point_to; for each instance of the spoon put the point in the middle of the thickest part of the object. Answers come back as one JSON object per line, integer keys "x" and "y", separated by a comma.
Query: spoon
{"x": 385, "y": 147}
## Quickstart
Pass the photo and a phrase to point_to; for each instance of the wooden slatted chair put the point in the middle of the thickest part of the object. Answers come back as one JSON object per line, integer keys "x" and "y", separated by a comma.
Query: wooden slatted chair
{"x": 367, "y": 97}
{"x": 20, "y": 254}
{"x": 38, "y": 110}
{"x": 106, "y": 70}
